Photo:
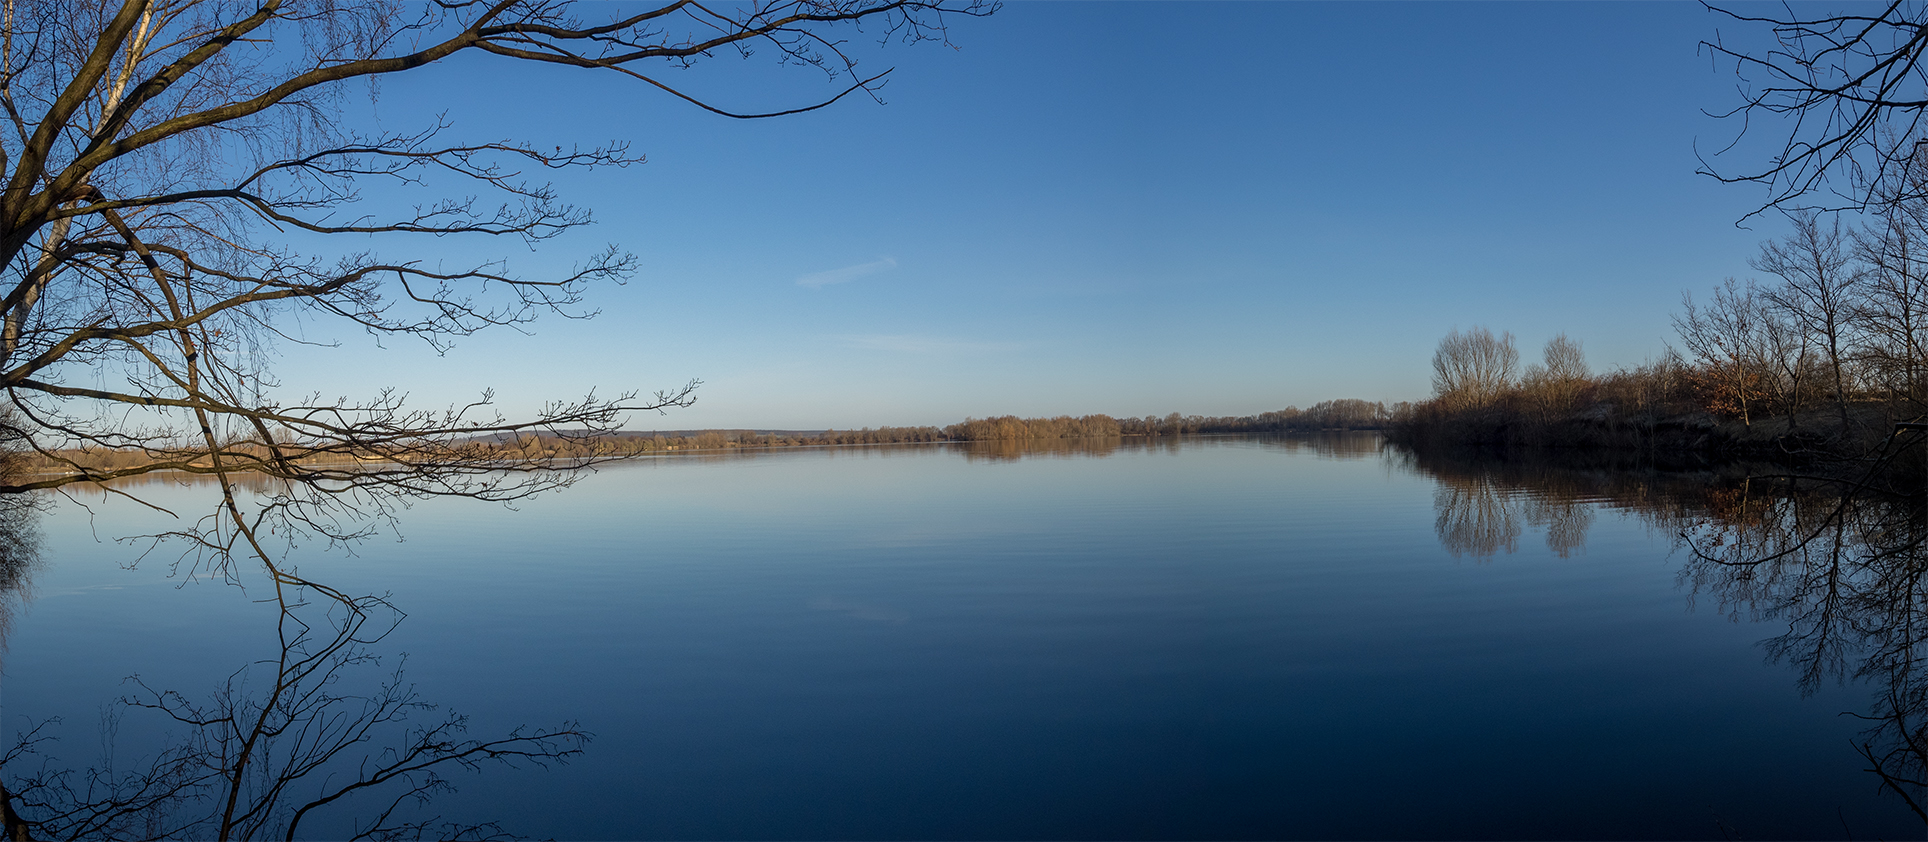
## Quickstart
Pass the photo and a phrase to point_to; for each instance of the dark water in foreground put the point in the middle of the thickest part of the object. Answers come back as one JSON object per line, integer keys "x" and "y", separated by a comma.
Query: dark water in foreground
{"x": 1215, "y": 638}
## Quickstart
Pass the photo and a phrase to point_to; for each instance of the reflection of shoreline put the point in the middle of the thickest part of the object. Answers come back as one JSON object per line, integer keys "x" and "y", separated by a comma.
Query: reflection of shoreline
{"x": 1846, "y": 570}
{"x": 1331, "y": 445}
{"x": 1483, "y": 501}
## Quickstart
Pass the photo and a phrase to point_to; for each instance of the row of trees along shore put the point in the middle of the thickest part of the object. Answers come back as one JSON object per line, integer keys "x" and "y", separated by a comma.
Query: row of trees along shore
{"x": 1822, "y": 354}
{"x": 535, "y": 448}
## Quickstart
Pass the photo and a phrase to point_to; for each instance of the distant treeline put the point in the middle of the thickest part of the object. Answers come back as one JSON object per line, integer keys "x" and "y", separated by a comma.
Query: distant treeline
{"x": 534, "y": 448}
{"x": 1345, "y": 414}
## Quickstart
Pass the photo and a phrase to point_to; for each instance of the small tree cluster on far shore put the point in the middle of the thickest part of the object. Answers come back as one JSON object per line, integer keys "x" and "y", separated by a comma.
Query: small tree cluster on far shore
{"x": 1829, "y": 343}
{"x": 1557, "y": 400}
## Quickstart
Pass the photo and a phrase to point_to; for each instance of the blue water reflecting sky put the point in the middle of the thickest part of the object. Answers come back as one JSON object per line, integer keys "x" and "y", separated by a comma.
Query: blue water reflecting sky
{"x": 1233, "y": 638}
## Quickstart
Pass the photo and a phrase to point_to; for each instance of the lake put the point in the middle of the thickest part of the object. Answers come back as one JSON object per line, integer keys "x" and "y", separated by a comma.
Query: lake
{"x": 1240, "y": 637}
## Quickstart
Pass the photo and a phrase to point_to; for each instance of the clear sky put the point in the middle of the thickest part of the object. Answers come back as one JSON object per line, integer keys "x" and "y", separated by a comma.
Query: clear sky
{"x": 1129, "y": 208}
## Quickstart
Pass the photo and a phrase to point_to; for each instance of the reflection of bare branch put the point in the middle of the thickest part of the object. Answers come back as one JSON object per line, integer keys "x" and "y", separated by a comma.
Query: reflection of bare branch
{"x": 279, "y": 742}
{"x": 1566, "y": 521}
{"x": 251, "y": 755}
{"x": 19, "y": 555}
{"x": 1482, "y": 503}
{"x": 1842, "y": 565}
{"x": 1475, "y": 518}
{"x": 1900, "y": 763}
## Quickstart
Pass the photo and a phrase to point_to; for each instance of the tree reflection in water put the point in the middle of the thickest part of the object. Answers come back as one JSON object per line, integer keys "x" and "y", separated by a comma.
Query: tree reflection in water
{"x": 19, "y": 557}
{"x": 1845, "y": 572}
{"x": 1332, "y": 445}
{"x": 1475, "y": 517}
{"x": 1481, "y": 513}
{"x": 314, "y": 727}
{"x": 1840, "y": 563}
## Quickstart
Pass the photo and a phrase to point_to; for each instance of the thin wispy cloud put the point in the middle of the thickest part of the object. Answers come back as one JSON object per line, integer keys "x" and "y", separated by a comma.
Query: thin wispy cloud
{"x": 915, "y": 344}
{"x": 818, "y": 280}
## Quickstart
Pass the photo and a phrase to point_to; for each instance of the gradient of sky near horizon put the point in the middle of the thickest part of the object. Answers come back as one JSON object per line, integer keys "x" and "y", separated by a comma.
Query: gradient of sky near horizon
{"x": 1128, "y": 208}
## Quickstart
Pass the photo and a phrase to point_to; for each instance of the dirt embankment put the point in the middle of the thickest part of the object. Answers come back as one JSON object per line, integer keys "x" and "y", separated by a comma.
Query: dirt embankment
{"x": 1868, "y": 431}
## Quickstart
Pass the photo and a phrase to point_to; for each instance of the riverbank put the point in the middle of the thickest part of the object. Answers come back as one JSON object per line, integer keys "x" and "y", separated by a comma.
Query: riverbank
{"x": 1826, "y": 440}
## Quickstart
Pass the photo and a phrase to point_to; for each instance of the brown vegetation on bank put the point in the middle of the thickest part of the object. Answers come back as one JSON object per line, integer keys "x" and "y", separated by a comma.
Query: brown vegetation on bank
{"x": 1661, "y": 405}
{"x": 1822, "y": 355}
{"x": 1672, "y": 405}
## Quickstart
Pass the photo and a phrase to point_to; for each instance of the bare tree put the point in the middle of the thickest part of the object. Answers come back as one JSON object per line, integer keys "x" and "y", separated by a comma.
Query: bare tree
{"x": 1793, "y": 367}
{"x": 155, "y": 154}
{"x": 1844, "y": 94}
{"x": 1555, "y": 383}
{"x": 1565, "y": 360}
{"x": 1819, "y": 286}
{"x": 1891, "y": 312}
{"x": 1472, "y": 369}
{"x": 159, "y": 147}
{"x": 1729, "y": 340}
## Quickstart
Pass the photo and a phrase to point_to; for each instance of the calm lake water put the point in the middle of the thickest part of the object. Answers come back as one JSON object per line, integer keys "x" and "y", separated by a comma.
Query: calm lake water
{"x": 1211, "y": 638}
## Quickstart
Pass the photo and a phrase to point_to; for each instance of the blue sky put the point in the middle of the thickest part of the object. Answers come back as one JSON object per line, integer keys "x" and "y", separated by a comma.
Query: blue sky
{"x": 1130, "y": 208}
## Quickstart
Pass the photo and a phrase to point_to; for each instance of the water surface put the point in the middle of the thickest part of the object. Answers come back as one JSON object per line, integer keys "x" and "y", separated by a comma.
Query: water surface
{"x": 1216, "y": 637}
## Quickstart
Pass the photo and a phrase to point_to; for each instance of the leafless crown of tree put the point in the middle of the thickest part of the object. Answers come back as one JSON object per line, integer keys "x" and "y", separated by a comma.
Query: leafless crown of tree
{"x": 160, "y": 147}
{"x": 162, "y": 150}
{"x": 1471, "y": 368}
{"x": 1841, "y": 96}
